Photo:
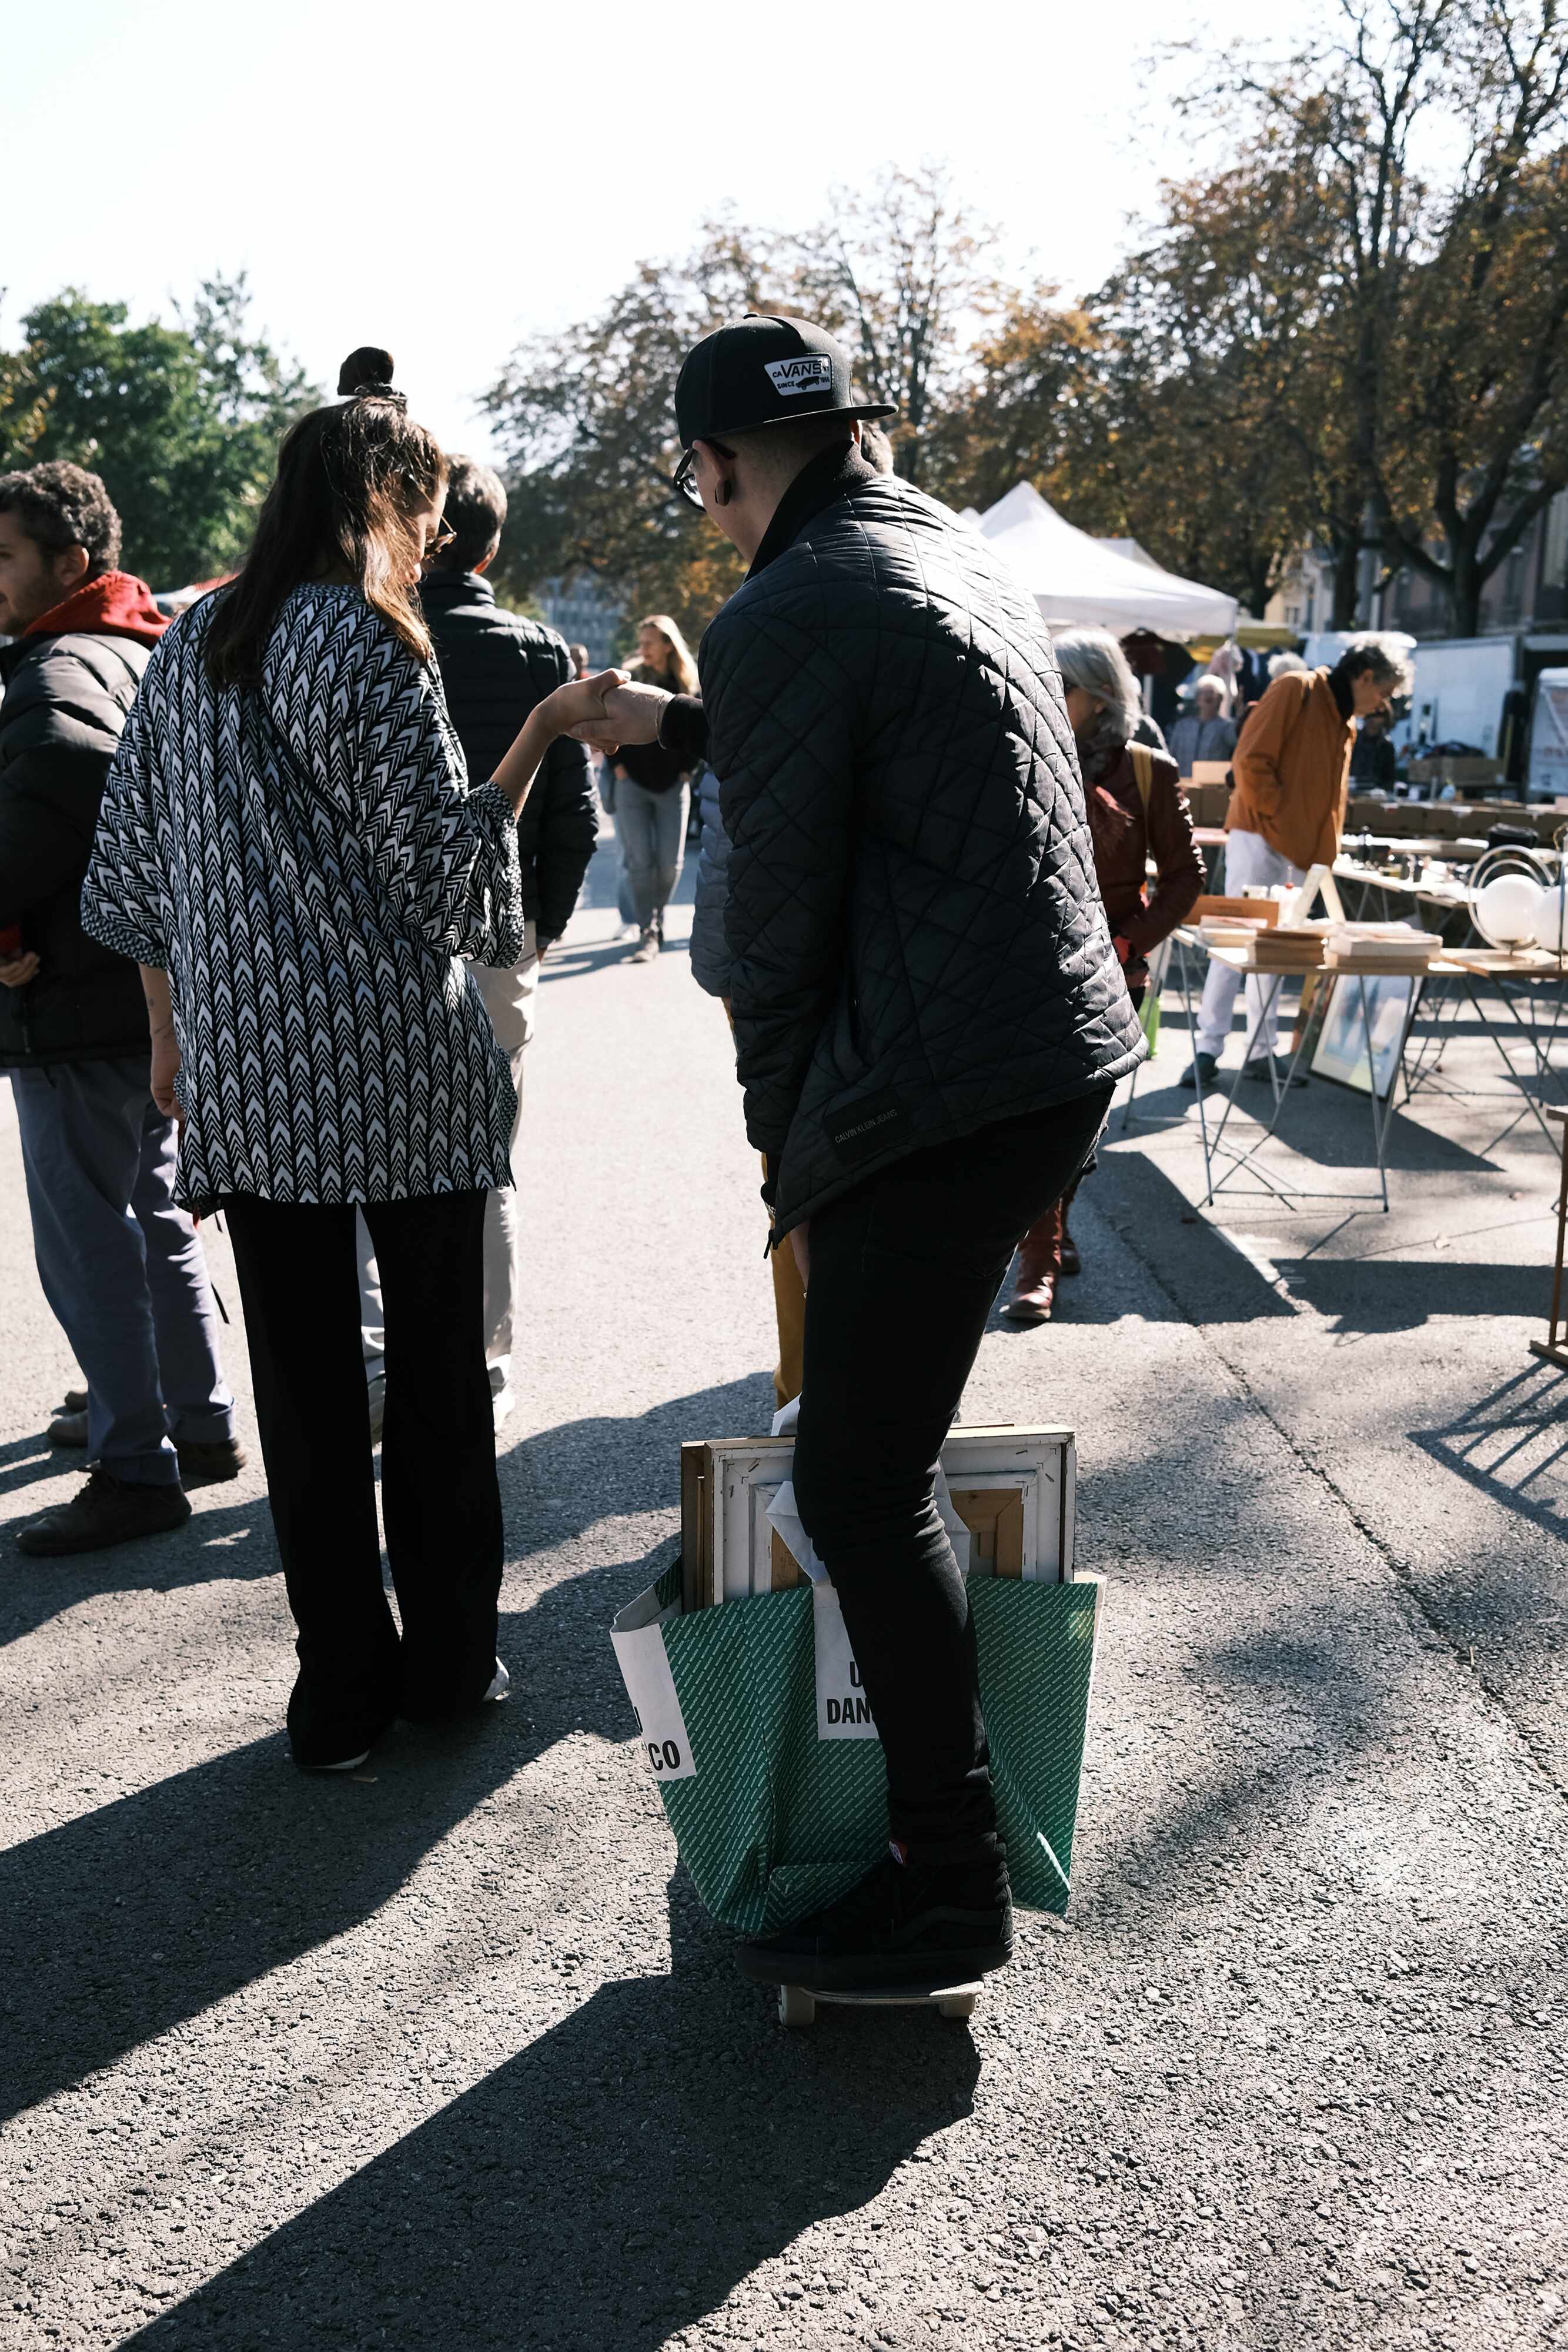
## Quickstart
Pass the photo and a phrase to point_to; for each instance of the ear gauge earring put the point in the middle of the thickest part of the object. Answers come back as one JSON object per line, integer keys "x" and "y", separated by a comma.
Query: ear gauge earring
{"x": 723, "y": 492}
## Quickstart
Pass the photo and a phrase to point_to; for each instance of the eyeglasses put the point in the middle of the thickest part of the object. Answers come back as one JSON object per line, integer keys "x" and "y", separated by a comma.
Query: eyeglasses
{"x": 684, "y": 476}
{"x": 444, "y": 537}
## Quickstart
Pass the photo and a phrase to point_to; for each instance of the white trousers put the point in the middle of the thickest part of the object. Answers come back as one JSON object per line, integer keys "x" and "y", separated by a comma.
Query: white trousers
{"x": 510, "y": 999}
{"x": 1248, "y": 859}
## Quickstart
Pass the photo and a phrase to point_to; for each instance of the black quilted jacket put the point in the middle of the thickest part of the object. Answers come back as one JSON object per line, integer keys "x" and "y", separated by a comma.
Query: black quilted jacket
{"x": 65, "y": 703}
{"x": 919, "y": 943}
{"x": 495, "y": 666}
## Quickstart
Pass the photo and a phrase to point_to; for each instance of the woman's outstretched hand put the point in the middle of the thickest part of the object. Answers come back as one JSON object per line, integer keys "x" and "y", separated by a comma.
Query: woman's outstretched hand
{"x": 629, "y": 714}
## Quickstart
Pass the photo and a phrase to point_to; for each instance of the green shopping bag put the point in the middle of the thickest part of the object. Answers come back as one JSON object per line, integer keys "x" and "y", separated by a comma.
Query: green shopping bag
{"x": 768, "y": 1763}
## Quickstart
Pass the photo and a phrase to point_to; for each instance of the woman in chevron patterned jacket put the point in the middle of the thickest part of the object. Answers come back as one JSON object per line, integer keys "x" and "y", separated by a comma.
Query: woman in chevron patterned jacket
{"x": 290, "y": 848}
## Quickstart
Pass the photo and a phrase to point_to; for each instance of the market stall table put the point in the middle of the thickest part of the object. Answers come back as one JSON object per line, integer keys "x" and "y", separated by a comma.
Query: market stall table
{"x": 1248, "y": 962}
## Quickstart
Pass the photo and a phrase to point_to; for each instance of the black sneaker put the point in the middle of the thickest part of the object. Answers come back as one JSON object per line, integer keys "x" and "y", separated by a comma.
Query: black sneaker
{"x": 107, "y": 1510}
{"x": 208, "y": 1462}
{"x": 1200, "y": 1070}
{"x": 69, "y": 1427}
{"x": 912, "y": 1925}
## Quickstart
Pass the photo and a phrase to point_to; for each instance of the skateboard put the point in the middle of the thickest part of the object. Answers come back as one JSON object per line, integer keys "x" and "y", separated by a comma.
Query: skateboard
{"x": 798, "y": 2004}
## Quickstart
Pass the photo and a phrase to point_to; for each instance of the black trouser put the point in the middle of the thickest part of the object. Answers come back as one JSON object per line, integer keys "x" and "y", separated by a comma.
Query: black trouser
{"x": 440, "y": 1498}
{"x": 904, "y": 1273}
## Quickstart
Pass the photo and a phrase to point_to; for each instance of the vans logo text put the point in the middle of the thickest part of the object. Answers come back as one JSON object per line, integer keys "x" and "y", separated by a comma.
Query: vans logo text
{"x": 811, "y": 374}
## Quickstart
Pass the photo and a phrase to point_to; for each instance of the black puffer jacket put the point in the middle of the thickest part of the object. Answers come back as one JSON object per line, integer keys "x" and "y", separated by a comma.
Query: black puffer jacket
{"x": 495, "y": 667}
{"x": 919, "y": 943}
{"x": 65, "y": 703}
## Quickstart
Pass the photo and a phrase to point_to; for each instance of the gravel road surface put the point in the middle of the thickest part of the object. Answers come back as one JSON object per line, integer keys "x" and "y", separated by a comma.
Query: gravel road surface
{"x": 447, "y": 2054}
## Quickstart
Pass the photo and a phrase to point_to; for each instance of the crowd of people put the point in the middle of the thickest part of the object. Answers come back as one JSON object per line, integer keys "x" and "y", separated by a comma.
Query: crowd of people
{"x": 276, "y": 884}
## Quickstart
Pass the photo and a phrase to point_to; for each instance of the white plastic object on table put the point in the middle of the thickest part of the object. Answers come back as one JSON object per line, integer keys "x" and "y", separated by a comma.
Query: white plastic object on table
{"x": 1509, "y": 911}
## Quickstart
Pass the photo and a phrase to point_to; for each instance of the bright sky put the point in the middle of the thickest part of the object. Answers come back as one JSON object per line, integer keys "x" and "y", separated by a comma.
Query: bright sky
{"x": 441, "y": 179}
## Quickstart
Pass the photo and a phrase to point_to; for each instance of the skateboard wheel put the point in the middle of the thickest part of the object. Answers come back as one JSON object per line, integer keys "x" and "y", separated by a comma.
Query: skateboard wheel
{"x": 796, "y": 2006}
{"x": 961, "y": 2005}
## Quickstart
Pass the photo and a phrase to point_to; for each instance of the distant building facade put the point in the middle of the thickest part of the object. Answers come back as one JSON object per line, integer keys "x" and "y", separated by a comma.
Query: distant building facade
{"x": 585, "y": 616}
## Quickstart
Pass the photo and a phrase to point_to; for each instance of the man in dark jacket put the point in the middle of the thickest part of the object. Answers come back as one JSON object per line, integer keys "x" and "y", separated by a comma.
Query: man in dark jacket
{"x": 121, "y": 1265}
{"x": 930, "y": 1018}
{"x": 495, "y": 667}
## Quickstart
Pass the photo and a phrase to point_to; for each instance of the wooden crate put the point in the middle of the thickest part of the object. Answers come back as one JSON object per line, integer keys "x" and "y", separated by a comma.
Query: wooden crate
{"x": 1013, "y": 1485}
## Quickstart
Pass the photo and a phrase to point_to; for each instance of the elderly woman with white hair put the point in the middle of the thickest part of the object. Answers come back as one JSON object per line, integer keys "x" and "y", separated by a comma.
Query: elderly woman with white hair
{"x": 1136, "y": 812}
{"x": 1204, "y": 733}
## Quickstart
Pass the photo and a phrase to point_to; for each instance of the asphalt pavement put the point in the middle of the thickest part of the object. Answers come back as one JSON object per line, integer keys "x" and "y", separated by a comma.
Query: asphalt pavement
{"x": 447, "y": 2055}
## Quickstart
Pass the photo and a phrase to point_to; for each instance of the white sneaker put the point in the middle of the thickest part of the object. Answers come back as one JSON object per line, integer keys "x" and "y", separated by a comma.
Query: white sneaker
{"x": 350, "y": 1763}
{"x": 500, "y": 1683}
{"x": 501, "y": 1404}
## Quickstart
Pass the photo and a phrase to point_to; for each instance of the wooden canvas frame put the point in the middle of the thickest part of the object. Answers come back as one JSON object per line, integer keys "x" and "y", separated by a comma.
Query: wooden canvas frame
{"x": 1014, "y": 1487}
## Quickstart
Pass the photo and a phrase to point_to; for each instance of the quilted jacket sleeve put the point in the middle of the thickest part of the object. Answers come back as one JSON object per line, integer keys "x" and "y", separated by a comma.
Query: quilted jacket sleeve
{"x": 447, "y": 857}
{"x": 123, "y": 895}
{"x": 782, "y": 727}
{"x": 55, "y": 751}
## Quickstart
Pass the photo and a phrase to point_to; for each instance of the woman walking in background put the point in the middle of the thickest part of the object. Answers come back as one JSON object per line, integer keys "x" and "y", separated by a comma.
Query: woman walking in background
{"x": 289, "y": 849}
{"x": 1137, "y": 810}
{"x": 653, "y": 791}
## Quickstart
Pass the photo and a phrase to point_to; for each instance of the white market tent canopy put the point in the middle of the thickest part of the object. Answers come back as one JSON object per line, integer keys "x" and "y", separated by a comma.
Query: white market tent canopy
{"x": 1089, "y": 583}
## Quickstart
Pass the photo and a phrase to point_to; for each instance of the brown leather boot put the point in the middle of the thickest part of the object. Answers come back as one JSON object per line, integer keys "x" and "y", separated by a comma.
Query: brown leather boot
{"x": 1039, "y": 1264}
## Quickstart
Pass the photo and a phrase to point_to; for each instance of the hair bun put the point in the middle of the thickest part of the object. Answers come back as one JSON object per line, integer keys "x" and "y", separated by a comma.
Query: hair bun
{"x": 367, "y": 370}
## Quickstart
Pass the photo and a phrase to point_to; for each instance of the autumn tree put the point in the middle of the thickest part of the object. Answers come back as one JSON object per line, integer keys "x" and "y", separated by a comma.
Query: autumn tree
{"x": 1431, "y": 135}
{"x": 183, "y": 421}
{"x": 586, "y": 417}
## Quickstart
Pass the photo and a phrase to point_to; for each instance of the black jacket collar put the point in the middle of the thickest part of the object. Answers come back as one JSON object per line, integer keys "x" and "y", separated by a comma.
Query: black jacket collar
{"x": 836, "y": 474}
{"x": 441, "y": 589}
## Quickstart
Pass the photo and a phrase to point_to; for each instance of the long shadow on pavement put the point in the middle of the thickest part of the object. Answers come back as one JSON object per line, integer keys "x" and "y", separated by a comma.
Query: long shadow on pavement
{"x": 26, "y": 1459}
{"x": 1199, "y": 1272}
{"x": 233, "y": 1541}
{"x": 1512, "y": 1444}
{"x": 117, "y": 1924}
{"x": 610, "y": 2185}
{"x": 564, "y": 1479}
{"x": 1401, "y": 1294}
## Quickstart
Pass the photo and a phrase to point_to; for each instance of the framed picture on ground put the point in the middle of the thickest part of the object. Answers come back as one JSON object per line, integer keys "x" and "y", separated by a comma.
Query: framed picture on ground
{"x": 1339, "y": 1053}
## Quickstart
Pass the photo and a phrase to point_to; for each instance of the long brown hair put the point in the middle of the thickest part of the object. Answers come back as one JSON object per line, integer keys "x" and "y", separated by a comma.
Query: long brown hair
{"x": 680, "y": 666}
{"x": 350, "y": 478}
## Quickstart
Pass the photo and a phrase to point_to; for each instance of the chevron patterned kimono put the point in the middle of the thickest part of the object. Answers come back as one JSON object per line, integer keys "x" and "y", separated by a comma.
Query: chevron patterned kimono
{"x": 310, "y": 906}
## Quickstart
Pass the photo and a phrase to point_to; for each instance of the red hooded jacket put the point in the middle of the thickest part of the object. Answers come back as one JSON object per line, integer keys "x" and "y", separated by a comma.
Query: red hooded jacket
{"x": 115, "y": 604}
{"x": 68, "y": 681}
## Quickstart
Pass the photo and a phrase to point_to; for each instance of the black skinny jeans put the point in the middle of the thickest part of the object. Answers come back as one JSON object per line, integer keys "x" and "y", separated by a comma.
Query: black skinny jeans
{"x": 904, "y": 1270}
{"x": 440, "y": 1501}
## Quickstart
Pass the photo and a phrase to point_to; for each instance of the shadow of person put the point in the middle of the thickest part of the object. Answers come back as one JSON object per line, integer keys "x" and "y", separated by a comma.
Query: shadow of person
{"x": 117, "y": 1924}
{"x": 228, "y": 1539}
{"x": 613, "y": 2183}
{"x": 561, "y": 1480}
{"x": 27, "y": 1458}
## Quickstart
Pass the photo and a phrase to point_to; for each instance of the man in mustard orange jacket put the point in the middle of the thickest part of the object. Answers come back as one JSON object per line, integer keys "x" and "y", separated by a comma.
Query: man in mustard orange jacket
{"x": 1292, "y": 770}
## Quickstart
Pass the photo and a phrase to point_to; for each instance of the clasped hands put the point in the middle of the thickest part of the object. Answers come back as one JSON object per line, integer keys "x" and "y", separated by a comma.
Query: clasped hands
{"x": 608, "y": 709}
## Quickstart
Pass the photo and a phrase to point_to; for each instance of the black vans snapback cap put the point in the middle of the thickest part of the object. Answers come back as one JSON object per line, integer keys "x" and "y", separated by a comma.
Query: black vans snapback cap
{"x": 764, "y": 371}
